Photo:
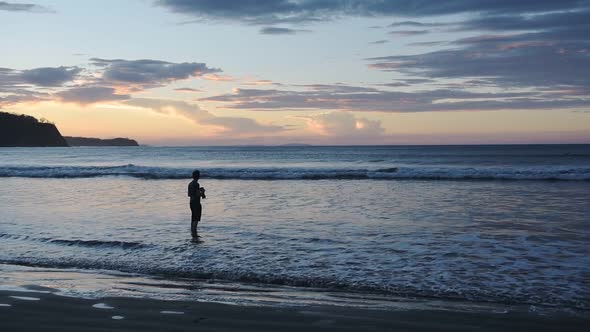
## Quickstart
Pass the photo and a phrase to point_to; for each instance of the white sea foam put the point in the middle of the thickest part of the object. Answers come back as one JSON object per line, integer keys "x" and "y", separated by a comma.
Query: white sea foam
{"x": 168, "y": 312}
{"x": 102, "y": 306}
{"x": 26, "y": 298}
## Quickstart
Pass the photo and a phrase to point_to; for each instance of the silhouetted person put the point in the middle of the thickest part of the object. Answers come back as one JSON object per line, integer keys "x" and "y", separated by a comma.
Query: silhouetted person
{"x": 195, "y": 192}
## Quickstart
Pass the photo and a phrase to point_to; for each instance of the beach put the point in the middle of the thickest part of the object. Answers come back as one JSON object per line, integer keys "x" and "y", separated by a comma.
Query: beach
{"x": 34, "y": 311}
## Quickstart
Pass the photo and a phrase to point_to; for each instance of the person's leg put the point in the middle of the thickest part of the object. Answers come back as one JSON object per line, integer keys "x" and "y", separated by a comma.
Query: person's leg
{"x": 198, "y": 209}
{"x": 195, "y": 218}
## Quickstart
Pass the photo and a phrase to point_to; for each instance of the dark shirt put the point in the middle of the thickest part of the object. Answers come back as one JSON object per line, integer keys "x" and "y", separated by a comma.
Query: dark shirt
{"x": 194, "y": 192}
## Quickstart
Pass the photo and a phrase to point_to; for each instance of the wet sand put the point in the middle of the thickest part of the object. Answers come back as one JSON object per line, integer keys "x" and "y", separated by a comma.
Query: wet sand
{"x": 33, "y": 311}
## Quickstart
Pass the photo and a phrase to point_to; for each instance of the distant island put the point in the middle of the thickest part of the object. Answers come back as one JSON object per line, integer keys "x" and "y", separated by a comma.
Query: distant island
{"x": 24, "y": 130}
{"x": 88, "y": 141}
{"x": 295, "y": 145}
{"x": 27, "y": 131}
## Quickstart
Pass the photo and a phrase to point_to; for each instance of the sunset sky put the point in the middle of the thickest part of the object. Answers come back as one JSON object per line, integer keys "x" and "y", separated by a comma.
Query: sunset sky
{"x": 180, "y": 72}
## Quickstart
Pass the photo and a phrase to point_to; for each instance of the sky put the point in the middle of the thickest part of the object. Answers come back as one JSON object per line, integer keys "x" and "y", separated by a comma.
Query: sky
{"x": 220, "y": 72}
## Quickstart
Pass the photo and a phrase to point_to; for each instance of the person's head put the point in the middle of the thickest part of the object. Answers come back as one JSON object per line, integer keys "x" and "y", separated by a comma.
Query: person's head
{"x": 196, "y": 174}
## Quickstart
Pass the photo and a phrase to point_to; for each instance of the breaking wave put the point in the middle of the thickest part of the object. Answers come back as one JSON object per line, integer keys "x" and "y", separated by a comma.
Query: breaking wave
{"x": 81, "y": 243}
{"x": 509, "y": 296}
{"x": 98, "y": 243}
{"x": 301, "y": 173}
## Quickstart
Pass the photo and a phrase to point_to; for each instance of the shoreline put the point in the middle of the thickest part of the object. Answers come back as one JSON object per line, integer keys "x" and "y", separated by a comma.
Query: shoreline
{"x": 96, "y": 284}
{"x": 59, "y": 300}
{"x": 41, "y": 310}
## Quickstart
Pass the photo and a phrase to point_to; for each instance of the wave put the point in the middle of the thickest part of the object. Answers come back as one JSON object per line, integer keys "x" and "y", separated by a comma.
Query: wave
{"x": 98, "y": 243}
{"x": 301, "y": 173}
{"x": 507, "y": 297}
{"x": 81, "y": 243}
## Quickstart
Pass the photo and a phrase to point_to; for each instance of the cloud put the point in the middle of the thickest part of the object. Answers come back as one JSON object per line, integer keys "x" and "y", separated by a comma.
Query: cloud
{"x": 261, "y": 82}
{"x": 517, "y": 22}
{"x": 415, "y": 24}
{"x": 242, "y": 126}
{"x": 32, "y": 85}
{"x": 189, "y": 90}
{"x": 395, "y": 84}
{"x": 267, "y": 12}
{"x": 408, "y": 33}
{"x": 146, "y": 73}
{"x": 417, "y": 80}
{"x": 85, "y": 95}
{"x": 10, "y": 78}
{"x": 539, "y": 49}
{"x": 427, "y": 44}
{"x": 407, "y": 82}
{"x": 344, "y": 124}
{"x": 527, "y": 49}
{"x": 21, "y": 96}
{"x": 40, "y": 77}
{"x": 218, "y": 78}
{"x": 227, "y": 125}
{"x": 363, "y": 99}
{"x": 280, "y": 31}
{"x": 337, "y": 88}
{"x": 105, "y": 80}
{"x": 522, "y": 60}
{"x": 23, "y": 7}
{"x": 377, "y": 42}
{"x": 50, "y": 76}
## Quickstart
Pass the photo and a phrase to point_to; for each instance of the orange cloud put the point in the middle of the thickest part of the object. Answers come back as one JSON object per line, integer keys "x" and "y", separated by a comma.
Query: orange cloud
{"x": 218, "y": 78}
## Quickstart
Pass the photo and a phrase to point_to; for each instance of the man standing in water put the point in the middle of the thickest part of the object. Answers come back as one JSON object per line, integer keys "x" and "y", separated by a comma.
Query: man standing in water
{"x": 195, "y": 192}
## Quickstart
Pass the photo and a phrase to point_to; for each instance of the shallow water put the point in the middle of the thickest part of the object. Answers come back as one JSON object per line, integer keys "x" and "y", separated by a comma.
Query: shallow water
{"x": 511, "y": 242}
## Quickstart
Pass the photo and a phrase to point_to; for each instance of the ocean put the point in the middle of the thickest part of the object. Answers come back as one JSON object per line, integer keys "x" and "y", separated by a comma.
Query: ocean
{"x": 492, "y": 227}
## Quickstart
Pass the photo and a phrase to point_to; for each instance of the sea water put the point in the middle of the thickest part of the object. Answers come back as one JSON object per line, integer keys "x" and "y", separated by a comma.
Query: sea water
{"x": 480, "y": 224}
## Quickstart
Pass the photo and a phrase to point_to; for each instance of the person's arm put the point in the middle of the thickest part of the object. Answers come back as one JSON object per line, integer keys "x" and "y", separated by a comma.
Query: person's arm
{"x": 189, "y": 189}
{"x": 202, "y": 192}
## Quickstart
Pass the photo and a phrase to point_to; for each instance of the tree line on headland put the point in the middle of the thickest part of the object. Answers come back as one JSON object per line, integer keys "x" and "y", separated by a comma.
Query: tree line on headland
{"x": 27, "y": 131}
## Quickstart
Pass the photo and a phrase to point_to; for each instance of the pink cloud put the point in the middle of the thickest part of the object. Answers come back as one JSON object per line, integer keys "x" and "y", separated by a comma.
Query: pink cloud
{"x": 218, "y": 78}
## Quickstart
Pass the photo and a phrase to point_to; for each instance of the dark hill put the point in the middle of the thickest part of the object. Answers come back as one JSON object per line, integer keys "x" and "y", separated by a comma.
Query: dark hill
{"x": 24, "y": 130}
{"x": 87, "y": 141}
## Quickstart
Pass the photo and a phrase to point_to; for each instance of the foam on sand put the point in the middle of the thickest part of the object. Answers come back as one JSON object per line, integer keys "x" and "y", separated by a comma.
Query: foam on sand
{"x": 25, "y": 298}
{"x": 102, "y": 306}
{"x": 75, "y": 314}
{"x": 168, "y": 312}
